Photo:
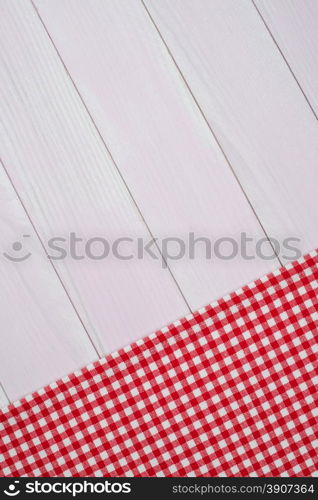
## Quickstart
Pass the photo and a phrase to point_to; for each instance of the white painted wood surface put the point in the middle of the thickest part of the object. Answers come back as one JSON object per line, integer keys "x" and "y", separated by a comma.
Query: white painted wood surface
{"x": 68, "y": 183}
{"x": 294, "y": 26}
{"x": 102, "y": 136}
{"x": 41, "y": 335}
{"x": 253, "y": 104}
{"x": 4, "y": 401}
{"x": 167, "y": 155}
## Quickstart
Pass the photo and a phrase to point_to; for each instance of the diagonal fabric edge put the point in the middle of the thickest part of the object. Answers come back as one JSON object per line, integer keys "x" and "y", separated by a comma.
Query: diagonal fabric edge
{"x": 228, "y": 390}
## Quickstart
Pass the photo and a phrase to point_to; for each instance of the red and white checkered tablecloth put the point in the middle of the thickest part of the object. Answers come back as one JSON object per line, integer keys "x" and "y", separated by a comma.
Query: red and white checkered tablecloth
{"x": 228, "y": 391}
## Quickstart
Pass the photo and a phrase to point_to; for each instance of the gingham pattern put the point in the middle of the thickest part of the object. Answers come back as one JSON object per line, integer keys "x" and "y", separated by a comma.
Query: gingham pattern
{"x": 228, "y": 391}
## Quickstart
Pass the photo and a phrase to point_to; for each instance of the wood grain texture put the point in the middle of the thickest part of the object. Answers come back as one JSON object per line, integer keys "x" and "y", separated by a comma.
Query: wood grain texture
{"x": 294, "y": 26}
{"x": 68, "y": 183}
{"x": 41, "y": 337}
{"x": 253, "y": 104}
{"x": 170, "y": 160}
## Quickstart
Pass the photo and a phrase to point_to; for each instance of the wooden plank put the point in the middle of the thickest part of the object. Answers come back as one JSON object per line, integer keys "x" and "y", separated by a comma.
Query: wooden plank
{"x": 4, "y": 401}
{"x": 294, "y": 26}
{"x": 253, "y": 104}
{"x": 41, "y": 336}
{"x": 68, "y": 183}
{"x": 170, "y": 160}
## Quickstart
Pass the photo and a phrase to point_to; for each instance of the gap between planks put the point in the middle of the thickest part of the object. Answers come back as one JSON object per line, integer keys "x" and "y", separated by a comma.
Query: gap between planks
{"x": 210, "y": 129}
{"x": 98, "y": 348}
{"x": 4, "y": 398}
{"x": 111, "y": 156}
{"x": 284, "y": 58}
